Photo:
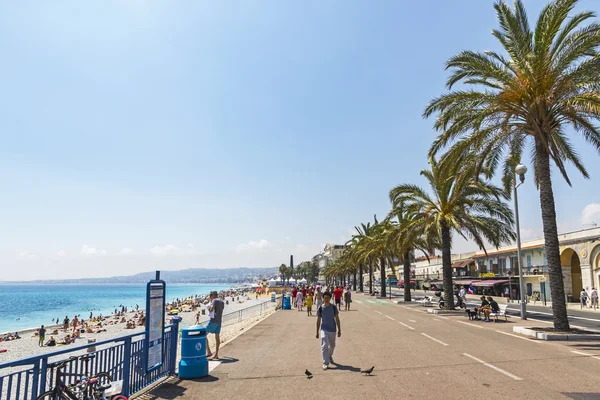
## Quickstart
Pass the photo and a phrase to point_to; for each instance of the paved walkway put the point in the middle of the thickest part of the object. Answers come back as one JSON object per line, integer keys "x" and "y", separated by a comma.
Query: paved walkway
{"x": 416, "y": 355}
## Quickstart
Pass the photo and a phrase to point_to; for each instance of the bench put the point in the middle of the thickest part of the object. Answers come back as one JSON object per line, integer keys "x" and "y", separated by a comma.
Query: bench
{"x": 500, "y": 313}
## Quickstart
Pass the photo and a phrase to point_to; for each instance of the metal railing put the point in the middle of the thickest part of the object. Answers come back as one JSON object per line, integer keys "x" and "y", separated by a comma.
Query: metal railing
{"x": 121, "y": 357}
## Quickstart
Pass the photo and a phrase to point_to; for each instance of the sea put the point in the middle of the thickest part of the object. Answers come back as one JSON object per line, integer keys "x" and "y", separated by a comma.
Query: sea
{"x": 29, "y": 306}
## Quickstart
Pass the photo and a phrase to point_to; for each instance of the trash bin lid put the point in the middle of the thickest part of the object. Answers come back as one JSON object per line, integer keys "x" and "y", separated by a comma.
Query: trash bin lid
{"x": 194, "y": 330}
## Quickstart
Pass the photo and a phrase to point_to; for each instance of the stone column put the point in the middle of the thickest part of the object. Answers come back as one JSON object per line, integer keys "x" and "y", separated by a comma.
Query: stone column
{"x": 586, "y": 277}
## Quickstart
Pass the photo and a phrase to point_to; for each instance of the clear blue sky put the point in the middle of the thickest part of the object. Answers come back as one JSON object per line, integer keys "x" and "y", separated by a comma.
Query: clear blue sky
{"x": 154, "y": 134}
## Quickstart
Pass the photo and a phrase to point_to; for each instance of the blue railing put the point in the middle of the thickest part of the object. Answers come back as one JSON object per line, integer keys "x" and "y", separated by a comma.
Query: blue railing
{"x": 120, "y": 357}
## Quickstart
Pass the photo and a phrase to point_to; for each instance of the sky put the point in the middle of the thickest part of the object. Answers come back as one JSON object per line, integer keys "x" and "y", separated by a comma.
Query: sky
{"x": 141, "y": 135}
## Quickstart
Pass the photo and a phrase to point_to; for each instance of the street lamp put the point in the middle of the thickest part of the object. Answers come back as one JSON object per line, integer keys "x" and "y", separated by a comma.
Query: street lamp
{"x": 520, "y": 171}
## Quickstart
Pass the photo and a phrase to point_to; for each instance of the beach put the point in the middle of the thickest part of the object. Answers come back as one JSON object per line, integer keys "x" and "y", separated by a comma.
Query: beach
{"x": 27, "y": 346}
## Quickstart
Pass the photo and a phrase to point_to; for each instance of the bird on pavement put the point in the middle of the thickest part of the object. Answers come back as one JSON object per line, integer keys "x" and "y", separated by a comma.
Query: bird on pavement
{"x": 367, "y": 371}
{"x": 308, "y": 374}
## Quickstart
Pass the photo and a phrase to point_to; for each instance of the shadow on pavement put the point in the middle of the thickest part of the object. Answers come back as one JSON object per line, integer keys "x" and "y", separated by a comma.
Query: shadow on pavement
{"x": 173, "y": 389}
{"x": 228, "y": 360}
{"x": 343, "y": 367}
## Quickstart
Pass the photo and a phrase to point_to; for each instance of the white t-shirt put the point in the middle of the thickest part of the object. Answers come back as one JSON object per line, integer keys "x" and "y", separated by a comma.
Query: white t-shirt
{"x": 594, "y": 294}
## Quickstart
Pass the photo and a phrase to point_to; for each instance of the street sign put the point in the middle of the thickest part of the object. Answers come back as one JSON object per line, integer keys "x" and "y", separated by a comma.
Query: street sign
{"x": 155, "y": 320}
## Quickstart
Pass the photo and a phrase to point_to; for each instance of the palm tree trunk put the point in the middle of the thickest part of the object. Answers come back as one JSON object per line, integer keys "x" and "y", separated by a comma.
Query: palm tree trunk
{"x": 370, "y": 276}
{"x": 447, "y": 267}
{"x": 383, "y": 277}
{"x": 407, "y": 276}
{"x": 557, "y": 288}
{"x": 354, "y": 281}
{"x": 360, "y": 272}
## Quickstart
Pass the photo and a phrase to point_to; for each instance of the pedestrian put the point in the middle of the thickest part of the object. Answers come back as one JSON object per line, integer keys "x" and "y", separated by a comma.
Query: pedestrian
{"x": 198, "y": 318}
{"x": 75, "y": 323}
{"x": 327, "y": 320}
{"x": 214, "y": 326}
{"x": 309, "y": 303}
{"x": 347, "y": 299}
{"x": 583, "y": 298}
{"x": 66, "y": 323}
{"x": 319, "y": 297}
{"x": 294, "y": 294}
{"x": 594, "y": 298}
{"x": 299, "y": 300}
{"x": 41, "y": 336}
{"x": 337, "y": 295}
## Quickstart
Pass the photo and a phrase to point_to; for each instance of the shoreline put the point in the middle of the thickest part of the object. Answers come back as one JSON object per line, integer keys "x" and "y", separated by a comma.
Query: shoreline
{"x": 27, "y": 346}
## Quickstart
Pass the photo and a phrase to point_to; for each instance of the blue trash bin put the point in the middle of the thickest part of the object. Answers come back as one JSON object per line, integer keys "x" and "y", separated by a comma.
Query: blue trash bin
{"x": 193, "y": 363}
{"x": 287, "y": 302}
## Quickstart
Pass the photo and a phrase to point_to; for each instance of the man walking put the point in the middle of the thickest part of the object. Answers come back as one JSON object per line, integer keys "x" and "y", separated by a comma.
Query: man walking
{"x": 214, "y": 326}
{"x": 41, "y": 336}
{"x": 327, "y": 321}
{"x": 594, "y": 298}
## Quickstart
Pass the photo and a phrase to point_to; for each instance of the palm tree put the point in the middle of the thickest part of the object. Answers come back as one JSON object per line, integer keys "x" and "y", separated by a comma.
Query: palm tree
{"x": 359, "y": 252}
{"x": 460, "y": 203}
{"x": 404, "y": 238}
{"x": 548, "y": 81}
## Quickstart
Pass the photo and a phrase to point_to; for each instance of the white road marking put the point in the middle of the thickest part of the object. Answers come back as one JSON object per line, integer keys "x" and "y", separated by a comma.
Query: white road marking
{"x": 586, "y": 354}
{"x": 516, "y": 378}
{"x": 390, "y": 318}
{"x": 379, "y": 312}
{"x": 435, "y": 340}
{"x": 466, "y": 323}
{"x": 439, "y": 316}
{"x": 412, "y": 320}
{"x": 372, "y": 301}
{"x": 435, "y": 319}
{"x": 540, "y": 320}
{"x": 409, "y": 327}
{"x": 569, "y": 316}
{"x": 521, "y": 337}
{"x": 358, "y": 301}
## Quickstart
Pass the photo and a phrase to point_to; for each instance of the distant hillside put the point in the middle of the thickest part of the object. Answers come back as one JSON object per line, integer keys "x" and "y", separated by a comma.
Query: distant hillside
{"x": 192, "y": 275}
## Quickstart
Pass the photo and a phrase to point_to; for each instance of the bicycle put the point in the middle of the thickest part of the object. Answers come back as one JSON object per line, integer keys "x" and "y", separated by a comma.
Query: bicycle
{"x": 81, "y": 390}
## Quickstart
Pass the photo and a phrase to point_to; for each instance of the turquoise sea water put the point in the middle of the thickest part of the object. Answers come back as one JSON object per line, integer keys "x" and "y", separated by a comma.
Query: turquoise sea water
{"x": 29, "y": 306}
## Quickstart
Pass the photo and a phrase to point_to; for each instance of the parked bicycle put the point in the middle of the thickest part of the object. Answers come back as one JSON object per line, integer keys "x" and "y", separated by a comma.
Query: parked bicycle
{"x": 84, "y": 388}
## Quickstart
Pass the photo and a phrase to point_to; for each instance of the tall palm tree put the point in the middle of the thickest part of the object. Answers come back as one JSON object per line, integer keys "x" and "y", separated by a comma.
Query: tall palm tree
{"x": 360, "y": 255}
{"x": 405, "y": 238}
{"x": 461, "y": 203}
{"x": 547, "y": 82}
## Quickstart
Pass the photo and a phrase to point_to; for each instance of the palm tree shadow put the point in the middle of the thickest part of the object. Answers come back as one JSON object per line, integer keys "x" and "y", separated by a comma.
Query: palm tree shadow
{"x": 343, "y": 367}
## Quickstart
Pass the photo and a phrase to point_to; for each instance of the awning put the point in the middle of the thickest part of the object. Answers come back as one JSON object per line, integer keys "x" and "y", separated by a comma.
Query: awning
{"x": 464, "y": 281}
{"x": 490, "y": 282}
{"x": 462, "y": 263}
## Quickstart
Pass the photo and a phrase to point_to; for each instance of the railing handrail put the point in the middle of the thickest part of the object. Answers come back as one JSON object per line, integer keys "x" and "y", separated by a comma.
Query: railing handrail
{"x": 33, "y": 359}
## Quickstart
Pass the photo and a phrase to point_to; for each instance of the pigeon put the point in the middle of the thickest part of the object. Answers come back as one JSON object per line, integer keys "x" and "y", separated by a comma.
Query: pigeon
{"x": 308, "y": 374}
{"x": 367, "y": 371}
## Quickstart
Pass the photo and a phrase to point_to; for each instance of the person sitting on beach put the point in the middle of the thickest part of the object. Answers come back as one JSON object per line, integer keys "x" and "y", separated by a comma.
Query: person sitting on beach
{"x": 122, "y": 320}
{"x": 67, "y": 340}
{"x": 55, "y": 332}
{"x": 51, "y": 342}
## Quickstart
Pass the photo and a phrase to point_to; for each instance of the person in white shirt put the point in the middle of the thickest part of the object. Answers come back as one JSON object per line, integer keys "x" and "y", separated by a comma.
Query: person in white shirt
{"x": 583, "y": 298}
{"x": 594, "y": 298}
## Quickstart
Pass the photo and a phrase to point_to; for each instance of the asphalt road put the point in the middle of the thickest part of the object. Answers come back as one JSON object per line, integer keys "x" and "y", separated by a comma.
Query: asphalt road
{"x": 542, "y": 314}
{"x": 415, "y": 354}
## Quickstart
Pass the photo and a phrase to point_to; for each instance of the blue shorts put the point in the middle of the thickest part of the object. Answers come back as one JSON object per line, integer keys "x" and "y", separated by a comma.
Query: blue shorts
{"x": 213, "y": 328}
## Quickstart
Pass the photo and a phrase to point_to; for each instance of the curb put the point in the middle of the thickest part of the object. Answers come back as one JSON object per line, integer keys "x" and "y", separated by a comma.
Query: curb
{"x": 445, "y": 312}
{"x": 552, "y": 336}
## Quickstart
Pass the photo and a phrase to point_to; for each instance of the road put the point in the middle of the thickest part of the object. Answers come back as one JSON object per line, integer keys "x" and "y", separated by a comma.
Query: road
{"x": 542, "y": 314}
{"x": 415, "y": 354}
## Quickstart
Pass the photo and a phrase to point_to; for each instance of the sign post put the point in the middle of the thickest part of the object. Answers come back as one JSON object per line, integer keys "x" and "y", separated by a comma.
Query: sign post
{"x": 155, "y": 320}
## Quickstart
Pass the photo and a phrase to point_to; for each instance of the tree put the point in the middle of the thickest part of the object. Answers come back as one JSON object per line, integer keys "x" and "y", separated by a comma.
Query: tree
{"x": 547, "y": 82}
{"x": 459, "y": 202}
{"x": 404, "y": 238}
{"x": 359, "y": 253}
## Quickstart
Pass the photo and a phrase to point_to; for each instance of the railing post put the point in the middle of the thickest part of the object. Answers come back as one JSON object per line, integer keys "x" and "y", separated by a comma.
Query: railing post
{"x": 126, "y": 365}
{"x": 173, "y": 349}
{"x": 36, "y": 379}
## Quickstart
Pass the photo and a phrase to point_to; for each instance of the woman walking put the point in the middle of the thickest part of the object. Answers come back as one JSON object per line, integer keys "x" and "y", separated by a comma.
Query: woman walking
{"x": 299, "y": 301}
{"x": 309, "y": 302}
{"x": 347, "y": 299}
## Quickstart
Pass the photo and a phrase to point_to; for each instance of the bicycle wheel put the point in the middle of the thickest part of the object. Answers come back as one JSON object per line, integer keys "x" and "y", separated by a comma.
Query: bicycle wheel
{"x": 119, "y": 397}
{"x": 49, "y": 395}
{"x": 103, "y": 380}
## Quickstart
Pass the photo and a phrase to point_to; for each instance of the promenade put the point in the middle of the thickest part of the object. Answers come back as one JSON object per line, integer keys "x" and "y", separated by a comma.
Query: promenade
{"x": 415, "y": 354}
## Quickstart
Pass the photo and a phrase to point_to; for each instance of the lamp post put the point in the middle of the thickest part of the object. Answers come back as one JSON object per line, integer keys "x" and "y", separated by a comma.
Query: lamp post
{"x": 520, "y": 171}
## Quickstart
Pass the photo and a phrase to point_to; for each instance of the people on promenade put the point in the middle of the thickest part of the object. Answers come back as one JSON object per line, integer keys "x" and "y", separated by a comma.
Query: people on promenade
{"x": 347, "y": 299}
{"x": 299, "y": 300}
{"x": 66, "y": 323}
{"x": 594, "y": 298}
{"x": 337, "y": 294}
{"x": 294, "y": 294}
{"x": 319, "y": 297}
{"x": 309, "y": 302}
{"x": 328, "y": 320}
{"x": 214, "y": 326}
{"x": 41, "y": 336}
{"x": 484, "y": 303}
{"x": 583, "y": 296}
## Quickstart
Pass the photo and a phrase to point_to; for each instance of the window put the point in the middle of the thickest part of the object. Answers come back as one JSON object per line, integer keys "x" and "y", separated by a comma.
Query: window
{"x": 528, "y": 261}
